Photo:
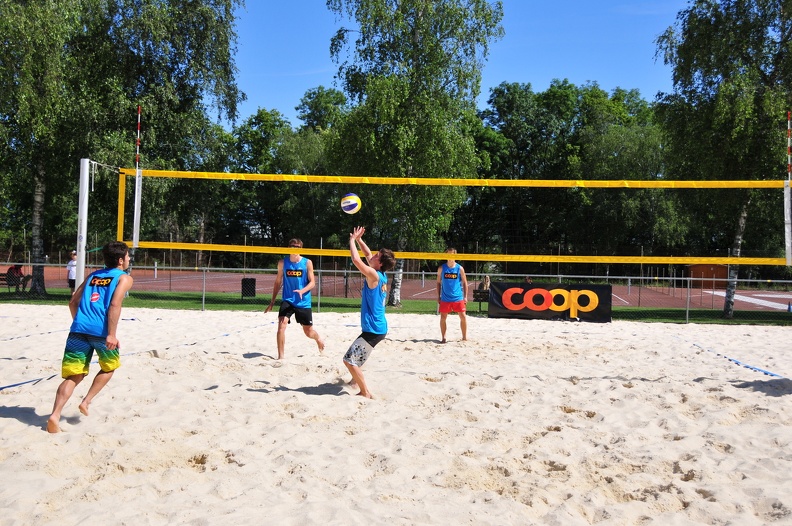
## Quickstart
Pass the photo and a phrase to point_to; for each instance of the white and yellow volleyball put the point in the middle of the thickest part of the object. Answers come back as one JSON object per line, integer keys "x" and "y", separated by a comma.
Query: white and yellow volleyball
{"x": 350, "y": 204}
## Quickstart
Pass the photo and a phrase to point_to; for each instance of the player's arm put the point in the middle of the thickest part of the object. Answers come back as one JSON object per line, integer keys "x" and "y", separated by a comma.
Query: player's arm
{"x": 367, "y": 271}
{"x": 276, "y": 288}
{"x": 74, "y": 302}
{"x": 439, "y": 282}
{"x": 363, "y": 246}
{"x": 464, "y": 282}
{"x": 311, "y": 280}
{"x": 114, "y": 311}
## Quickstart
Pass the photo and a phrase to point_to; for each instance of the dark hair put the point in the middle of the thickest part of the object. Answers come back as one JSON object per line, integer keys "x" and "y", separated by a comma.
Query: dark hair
{"x": 295, "y": 242}
{"x": 113, "y": 251}
{"x": 387, "y": 259}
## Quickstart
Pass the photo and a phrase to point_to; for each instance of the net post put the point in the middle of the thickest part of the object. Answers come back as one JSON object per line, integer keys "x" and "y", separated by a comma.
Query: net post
{"x": 82, "y": 220}
{"x": 787, "y": 200}
{"x": 787, "y": 223}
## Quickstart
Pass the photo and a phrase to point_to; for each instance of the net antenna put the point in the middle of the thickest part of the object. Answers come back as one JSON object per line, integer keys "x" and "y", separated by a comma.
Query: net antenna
{"x": 138, "y": 189}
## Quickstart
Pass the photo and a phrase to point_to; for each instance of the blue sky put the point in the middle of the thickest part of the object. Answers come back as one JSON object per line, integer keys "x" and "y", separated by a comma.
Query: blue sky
{"x": 284, "y": 48}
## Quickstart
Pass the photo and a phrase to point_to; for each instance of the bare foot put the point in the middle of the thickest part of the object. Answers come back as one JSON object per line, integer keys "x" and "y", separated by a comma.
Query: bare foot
{"x": 443, "y": 340}
{"x": 367, "y": 395}
{"x": 52, "y": 426}
{"x": 84, "y": 408}
{"x": 321, "y": 345}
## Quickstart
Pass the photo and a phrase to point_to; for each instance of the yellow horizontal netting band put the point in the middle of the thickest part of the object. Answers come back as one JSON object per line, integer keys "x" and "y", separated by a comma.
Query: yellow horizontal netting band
{"x": 419, "y": 181}
{"x": 431, "y": 256}
{"x": 525, "y": 183}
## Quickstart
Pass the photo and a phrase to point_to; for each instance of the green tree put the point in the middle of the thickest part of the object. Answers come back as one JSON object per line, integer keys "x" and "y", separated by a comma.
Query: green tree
{"x": 732, "y": 71}
{"x": 414, "y": 73}
{"x": 538, "y": 129}
{"x": 321, "y": 108}
{"x": 619, "y": 141}
{"x": 274, "y": 212}
{"x": 72, "y": 74}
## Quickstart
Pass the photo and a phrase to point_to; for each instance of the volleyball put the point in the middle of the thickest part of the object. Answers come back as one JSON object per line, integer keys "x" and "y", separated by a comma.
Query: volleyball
{"x": 350, "y": 204}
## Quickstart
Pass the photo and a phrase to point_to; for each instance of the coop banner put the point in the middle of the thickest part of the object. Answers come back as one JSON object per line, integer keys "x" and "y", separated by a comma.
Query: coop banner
{"x": 550, "y": 302}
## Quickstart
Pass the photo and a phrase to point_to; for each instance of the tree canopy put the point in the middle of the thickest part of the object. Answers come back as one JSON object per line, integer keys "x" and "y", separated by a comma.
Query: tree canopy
{"x": 731, "y": 73}
{"x": 73, "y": 73}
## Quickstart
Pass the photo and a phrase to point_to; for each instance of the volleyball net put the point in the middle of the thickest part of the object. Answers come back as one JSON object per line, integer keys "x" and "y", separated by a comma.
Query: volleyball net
{"x": 139, "y": 174}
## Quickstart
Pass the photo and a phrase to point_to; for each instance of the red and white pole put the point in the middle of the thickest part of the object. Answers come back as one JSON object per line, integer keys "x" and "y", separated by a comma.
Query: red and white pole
{"x": 789, "y": 145}
{"x": 137, "y": 144}
{"x": 138, "y": 189}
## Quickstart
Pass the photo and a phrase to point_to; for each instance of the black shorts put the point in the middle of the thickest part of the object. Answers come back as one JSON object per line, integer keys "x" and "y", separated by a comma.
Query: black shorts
{"x": 303, "y": 316}
{"x": 71, "y": 283}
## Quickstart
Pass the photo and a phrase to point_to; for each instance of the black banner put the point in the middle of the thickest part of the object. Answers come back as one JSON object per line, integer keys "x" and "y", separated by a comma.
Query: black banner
{"x": 536, "y": 301}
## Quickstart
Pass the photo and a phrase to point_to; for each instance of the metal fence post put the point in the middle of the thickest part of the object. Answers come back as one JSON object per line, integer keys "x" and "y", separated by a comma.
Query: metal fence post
{"x": 203, "y": 293}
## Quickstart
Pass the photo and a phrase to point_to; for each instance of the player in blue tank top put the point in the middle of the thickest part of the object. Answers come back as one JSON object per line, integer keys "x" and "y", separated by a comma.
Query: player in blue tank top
{"x": 452, "y": 291}
{"x": 372, "y": 310}
{"x": 95, "y": 308}
{"x": 296, "y": 275}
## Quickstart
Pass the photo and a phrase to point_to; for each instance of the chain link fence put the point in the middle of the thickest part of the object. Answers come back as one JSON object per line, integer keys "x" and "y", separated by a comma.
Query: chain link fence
{"x": 648, "y": 297}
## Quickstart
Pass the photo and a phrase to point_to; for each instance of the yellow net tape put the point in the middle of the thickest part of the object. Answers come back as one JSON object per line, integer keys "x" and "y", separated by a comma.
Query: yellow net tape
{"x": 420, "y": 181}
{"x": 432, "y": 256}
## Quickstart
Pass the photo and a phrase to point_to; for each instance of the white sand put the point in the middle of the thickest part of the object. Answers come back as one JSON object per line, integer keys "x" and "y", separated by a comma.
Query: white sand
{"x": 528, "y": 422}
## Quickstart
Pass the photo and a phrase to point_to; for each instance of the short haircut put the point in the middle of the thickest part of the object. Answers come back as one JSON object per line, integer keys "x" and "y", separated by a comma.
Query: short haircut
{"x": 113, "y": 251}
{"x": 451, "y": 250}
{"x": 295, "y": 242}
{"x": 387, "y": 259}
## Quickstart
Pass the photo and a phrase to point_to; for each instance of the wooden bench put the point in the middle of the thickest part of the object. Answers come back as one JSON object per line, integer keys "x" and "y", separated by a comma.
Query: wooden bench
{"x": 481, "y": 296}
{"x": 14, "y": 281}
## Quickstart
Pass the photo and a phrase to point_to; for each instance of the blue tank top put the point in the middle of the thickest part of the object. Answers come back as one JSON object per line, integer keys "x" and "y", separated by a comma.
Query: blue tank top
{"x": 451, "y": 283}
{"x": 97, "y": 294}
{"x": 372, "y": 309}
{"x": 295, "y": 276}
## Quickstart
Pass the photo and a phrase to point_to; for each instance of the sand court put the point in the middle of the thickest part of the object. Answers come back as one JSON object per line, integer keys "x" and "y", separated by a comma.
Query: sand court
{"x": 527, "y": 422}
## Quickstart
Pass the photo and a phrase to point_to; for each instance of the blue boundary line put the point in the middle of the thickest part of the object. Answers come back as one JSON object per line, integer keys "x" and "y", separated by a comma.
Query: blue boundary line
{"x": 741, "y": 364}
{"x": 31, "y": 335}
{"x": 37, "y": 380}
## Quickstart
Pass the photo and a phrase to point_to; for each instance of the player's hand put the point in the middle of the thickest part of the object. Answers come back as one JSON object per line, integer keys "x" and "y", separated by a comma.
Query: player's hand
{"x": 111, "y": 342}
{"x": 269, "y": 308}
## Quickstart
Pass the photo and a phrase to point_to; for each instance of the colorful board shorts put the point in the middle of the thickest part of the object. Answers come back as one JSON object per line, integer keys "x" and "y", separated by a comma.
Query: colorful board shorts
{"x": 360, "y": 350}
{"x": 453, "y": 306}
{"x": 79, "y": 353}
{"x": 303, "y": 316}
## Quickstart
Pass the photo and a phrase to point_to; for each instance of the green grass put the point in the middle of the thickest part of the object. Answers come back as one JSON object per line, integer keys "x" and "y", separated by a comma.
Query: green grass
{"x": 233, "y": 302}
{"x": 710, "y": 316}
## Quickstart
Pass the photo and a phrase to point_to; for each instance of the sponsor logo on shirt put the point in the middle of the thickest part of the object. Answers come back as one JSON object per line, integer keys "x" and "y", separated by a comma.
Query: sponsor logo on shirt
{"x": 294, "y": 273}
